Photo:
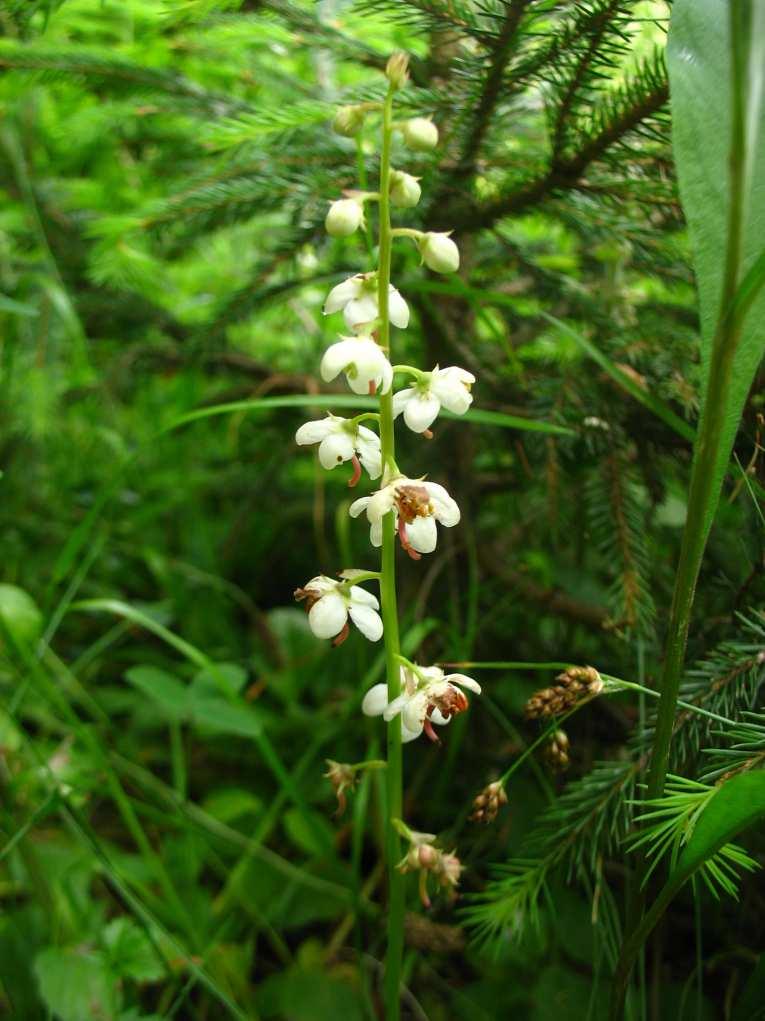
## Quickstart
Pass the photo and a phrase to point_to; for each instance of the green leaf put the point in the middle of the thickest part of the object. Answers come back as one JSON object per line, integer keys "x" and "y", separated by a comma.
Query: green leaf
{"x": 750, "y": 1006}
{"x": 700, "y": 55}
{"x": 217, "y": 715}
{"x": 220, "y": 678}
{"x": 76, "y": 984}
{"x": 166, "y": 691}
{"x": 302, "y": 831}
{"x": 130, "y": 952}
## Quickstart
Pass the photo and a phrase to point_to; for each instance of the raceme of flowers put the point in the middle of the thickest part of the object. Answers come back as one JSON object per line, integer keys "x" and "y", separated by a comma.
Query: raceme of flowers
{"x": 428, "y": 696}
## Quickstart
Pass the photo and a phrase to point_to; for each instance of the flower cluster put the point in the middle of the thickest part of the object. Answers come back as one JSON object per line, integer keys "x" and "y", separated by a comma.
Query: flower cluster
{"x": 370, "y": 305}
{"x": 573, "y": 686}
{"x": 488, "y": 802}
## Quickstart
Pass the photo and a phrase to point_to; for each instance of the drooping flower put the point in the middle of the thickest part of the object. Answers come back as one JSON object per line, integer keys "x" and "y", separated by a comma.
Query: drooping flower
{"x": 364, "y": 363}
{"x": 405, "y": 190}
{"x": 357, "y": 297}
{"x": 427, "y": 696}
{"x": 348, "y": 121}
{"x": 424, "y": 857}
{"x": 330, "y": 603}
{"x": 417, "y": 505}
{"x": 421, "y": 402}
{"x": 340, "y": 440}
{"x": 420, "y": 134}
{"x": 344, "y": 217}
{"x": 439, "y": 252}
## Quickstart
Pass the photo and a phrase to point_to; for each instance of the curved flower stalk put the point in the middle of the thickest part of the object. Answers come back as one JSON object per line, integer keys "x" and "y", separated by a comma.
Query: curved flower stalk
{"x": 413, "y": 699}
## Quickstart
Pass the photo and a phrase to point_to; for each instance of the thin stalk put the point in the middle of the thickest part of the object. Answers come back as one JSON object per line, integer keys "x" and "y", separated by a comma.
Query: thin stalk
{"x": 393, "y": 776}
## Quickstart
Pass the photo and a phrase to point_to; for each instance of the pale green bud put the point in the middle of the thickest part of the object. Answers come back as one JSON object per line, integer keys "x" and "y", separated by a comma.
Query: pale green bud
{"x": 344, "y": 217}
{"x": 404, "y": 189}
{"x": 397, "y": 70}
{"x": 439, "y": 252}
{"x": 420, "y": 134}
{"x": 348, "y": 121}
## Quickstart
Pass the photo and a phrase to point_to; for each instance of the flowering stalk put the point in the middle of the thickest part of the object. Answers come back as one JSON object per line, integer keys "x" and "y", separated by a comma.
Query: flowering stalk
{"x": 394, "y": 776}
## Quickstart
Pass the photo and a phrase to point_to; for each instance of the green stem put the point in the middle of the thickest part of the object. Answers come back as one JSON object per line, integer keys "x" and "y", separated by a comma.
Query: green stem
{"x": 393, "y": 775}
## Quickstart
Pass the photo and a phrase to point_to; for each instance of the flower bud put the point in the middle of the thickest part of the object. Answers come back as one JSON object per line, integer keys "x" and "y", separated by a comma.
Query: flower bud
{"x": 404, "y": 189}
{"x": 420, "y": 134}
{"x": 397, "y": 70}
{"x": 348, "y": 121}
{"x": 439, "y": 252}
{"x": 344, "y": 217}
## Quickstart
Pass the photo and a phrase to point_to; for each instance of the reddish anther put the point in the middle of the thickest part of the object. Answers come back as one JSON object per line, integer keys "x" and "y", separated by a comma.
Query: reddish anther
{"x": 353, "y": 480}
{"x": 427, "y": 433}
{"x": 405, "y": 540}
{"x": 372, "y": 388}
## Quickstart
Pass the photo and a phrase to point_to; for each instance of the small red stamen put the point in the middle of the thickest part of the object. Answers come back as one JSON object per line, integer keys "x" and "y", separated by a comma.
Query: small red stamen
{"x": 423, "y": 887}
{"x": 428, "y": 728}
{"x": 428, "y": 434}
{"x": 353, "y": 480}
{"x": 340, "y": 638}
{"x": 372, "y": 388}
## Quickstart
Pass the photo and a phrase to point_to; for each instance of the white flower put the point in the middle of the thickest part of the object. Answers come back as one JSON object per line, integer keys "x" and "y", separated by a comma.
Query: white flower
{"x": 342, "y": 440}
{"x": 420, "y": 134}
{"x": 439, "y": 252}
{"x": 417, "y": 505}
{"x": 344, "y": 217}
{"x": 364, "y": 363}
{"x": 404, "y": 189}
{"x": 330, "y": 603}
{"x": 421, "y": 403}
{"x": 357, "y": 297}
{"x": 427, "y": 696}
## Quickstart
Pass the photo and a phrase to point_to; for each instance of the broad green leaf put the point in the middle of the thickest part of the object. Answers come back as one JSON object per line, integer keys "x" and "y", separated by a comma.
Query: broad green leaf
{"x": 130, "y": 952}
{"x": 221, "y": 678}
{"x": 750, "y": 1006}
{"x": 700, "y": 59}
{"x": 217, "y": 715}
{"x": 170, "y": 694}
{"x": 76, "y": 984}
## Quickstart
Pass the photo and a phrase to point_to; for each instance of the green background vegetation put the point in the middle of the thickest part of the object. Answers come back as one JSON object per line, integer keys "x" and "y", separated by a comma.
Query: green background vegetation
{"x": 167, "y": 843}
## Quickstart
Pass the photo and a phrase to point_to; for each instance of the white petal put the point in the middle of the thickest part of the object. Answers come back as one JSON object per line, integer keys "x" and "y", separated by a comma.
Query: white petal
{"x": 436, "y": 716}
{"x": 386, "y": 379}
{"x": 380, "y": 503}
{"x": 398, "y": 310}
{"x": 464, "y": 681}
{"x": 444, "y": 508}
{"x": 336, "y": 358}
{"x": 413, "y": 713}
{"x": 314, "y": 432}
{"x": 328, "y": 615}
{"x": 400, "y": 400}
{"x": 360, "y": 311}
{"x": 409, "y": 735}
{"x": 375, "y": 534}
{"x": 360, "y": 596}
{"x": 394, "y": 708}
{"x": 422, "y": 534}
{"x": 359, "y": 506}
{"x": 320, "y": 585}
{"x": 451, "y": 386}
{"x": 367, "y": 621}
{"x": 340, "y": 295}
{"x": 334, "y": 449}
{"x": 370, "y": 455}
{"x": 375, "y": 700}
{"x": 421, "y": 411}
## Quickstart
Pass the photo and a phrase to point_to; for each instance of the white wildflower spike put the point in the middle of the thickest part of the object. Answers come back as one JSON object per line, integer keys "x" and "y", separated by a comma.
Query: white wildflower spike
{"x": 421, "y": 402}
{"x": 439, "y": 252}
{"x": 417, "y": 506}
{"x": 357, "y": 297}
{"x": 344, "y": 217}
{"x": 341, "y": 440}
{"x": 404, "y": 189}
{"x": 427, "y": 696}
{"x": 366, "y": 368}
{"x": 330, "y": 603}
{"x": 420, "y": 134}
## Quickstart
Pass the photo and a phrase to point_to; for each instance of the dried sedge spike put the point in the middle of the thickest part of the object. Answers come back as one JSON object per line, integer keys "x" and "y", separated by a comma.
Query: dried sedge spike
{"x": 488, "y": 802}
{"x": 573, "y": 685}
{"x": 556, "y": 751}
